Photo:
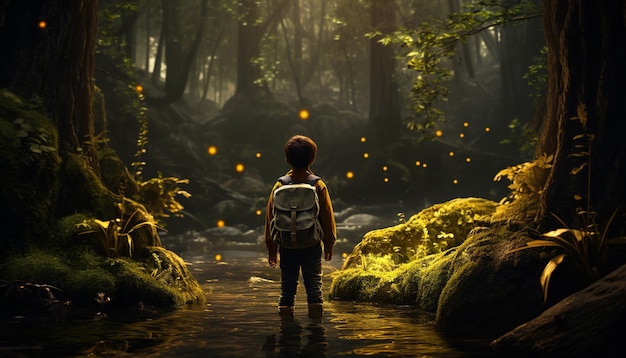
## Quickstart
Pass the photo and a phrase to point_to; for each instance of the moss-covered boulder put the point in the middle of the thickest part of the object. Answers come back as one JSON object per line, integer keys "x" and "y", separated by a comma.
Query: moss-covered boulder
{"x": 157, "y": 277}
{"x": 432, "y": 230}
{"x": 477, "y": 287}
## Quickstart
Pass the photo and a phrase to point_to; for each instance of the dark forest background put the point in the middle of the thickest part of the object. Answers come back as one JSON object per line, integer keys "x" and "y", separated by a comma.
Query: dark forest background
{"x": 235, "y": 77}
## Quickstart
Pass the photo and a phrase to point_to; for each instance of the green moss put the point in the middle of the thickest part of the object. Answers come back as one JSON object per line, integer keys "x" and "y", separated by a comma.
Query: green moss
{"x": 163, "y": 281}
{"x": 82, "y": 190}
{"x": 433, "y": 230}
{"x": 37, "y": 267}
{"x": 83, "y": 286}
{"x": 407, "y": 263}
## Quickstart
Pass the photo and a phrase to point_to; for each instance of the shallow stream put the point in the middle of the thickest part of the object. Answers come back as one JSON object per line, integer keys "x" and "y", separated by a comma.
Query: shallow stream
{"x": 240, "y": 319}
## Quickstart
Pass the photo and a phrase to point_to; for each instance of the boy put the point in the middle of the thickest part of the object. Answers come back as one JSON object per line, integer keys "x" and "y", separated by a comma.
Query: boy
{"x": 300, "y": 152}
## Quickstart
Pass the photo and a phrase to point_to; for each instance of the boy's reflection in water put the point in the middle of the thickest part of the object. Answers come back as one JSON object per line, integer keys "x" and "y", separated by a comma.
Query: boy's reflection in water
{"x": 290, "y": 341}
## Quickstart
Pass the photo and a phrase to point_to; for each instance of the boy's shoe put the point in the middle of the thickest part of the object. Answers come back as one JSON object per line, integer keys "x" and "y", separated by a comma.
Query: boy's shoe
{"x": 286, "y": 313}
{"x": 316, "y": 310}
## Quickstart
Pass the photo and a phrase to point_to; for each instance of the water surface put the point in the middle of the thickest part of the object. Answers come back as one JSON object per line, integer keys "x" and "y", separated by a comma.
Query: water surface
{"x": 240, "y": 319}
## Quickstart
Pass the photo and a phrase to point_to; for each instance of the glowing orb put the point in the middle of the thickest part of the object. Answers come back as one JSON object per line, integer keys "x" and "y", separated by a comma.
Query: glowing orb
{"x": 258, "y": 213}
{"x": 212, "y": 150}
{"x": 344, "y": 255}
{"x": 363, "y": 139}
{"x": 239, "y": 168}
{"x": 468, "y": 159}
{"x": 438, "y": 133}
{"x": 349, "y": 175}
{"x": 366, "y": 155}
{"x": 42, "y": 24}
{"x": 451, "y": 154}
{"x": 303, "y": 114}
{"x": 455, "y": 181}
{"x": 577, "y": 197}
{"x": 139, "y": 88}
{"x": 461, "y": 135}
{"x": 418, "y": 163}
{"x": 424, "y": 165}
{"x": 386, "y": 180}
{"x": 220, "y": 223}
{"x": 385, "y": 168}
{"x": 465, "y": 124}
{"x": 218, "y": 257}
{"x": 258, "y": 154}
{"x": 487, "y": 129}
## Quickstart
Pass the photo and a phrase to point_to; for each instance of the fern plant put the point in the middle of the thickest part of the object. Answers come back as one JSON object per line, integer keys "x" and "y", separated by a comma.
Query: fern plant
{"x": 117, "y": 237}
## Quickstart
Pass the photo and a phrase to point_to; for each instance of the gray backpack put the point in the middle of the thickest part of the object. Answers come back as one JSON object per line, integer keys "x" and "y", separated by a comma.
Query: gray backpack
{"x": 295, "y": 222}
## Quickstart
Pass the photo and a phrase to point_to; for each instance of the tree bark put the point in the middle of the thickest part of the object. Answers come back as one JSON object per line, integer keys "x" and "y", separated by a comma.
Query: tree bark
{"x": 48, "y": 52}
{"x": 585, "y": 96}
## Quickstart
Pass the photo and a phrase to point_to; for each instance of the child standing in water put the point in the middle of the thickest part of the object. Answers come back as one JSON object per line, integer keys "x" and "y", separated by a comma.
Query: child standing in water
{"x": 300, "y": 152}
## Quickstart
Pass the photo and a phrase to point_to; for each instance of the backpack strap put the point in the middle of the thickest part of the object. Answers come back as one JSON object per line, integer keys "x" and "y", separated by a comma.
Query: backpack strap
{"x": 287, "y": 179}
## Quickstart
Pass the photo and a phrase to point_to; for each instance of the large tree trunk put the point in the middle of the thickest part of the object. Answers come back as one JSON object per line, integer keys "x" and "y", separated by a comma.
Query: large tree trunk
{"x": 54, "y": 61}
{"x": 586, "y": 76}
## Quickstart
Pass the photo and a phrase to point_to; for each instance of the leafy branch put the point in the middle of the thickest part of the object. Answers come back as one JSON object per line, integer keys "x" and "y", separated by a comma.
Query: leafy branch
{"x": 432, "y": 44}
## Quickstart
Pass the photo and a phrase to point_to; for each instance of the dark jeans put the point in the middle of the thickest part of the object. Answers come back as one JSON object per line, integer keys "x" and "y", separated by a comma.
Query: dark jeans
{"x": 310, "y": 261}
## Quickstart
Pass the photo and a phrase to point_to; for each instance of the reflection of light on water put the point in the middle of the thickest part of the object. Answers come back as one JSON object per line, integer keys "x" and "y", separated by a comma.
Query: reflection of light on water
{"x": 240, "y": 319}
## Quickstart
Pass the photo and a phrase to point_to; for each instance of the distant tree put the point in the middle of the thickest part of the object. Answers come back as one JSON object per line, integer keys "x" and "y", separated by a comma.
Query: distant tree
{"x": 179, "y": 60}
{"x": 251, "y": 29}
{"x": 385, "y": 119}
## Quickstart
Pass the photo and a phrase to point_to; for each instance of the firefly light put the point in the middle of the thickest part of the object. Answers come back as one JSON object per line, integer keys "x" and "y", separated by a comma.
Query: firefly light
{"x": 349, "y": 175}
{"x": 465, "y": 124}
{"x": 42, "y": 24}
{"x": 239, "y": 168}
{"x": 218, "y": 257}
{"x": 303, "y": 114}
{"x": 418, "y": 163}
{"x": 212, "y": 150}
{"x": 366, "y": 155}
{"x": 451, "y": 154}
{"x": 487, "y": 129}
{"x": 438, "y": 133}
{"x": 220, "y": 223}
{"x": 258, "y": 154}
{"x": 363, "y": 139}
{"x": 258, "y": 213}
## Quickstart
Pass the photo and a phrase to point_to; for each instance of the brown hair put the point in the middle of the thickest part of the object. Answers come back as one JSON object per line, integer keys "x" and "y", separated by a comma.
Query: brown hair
{"x": 300, "y": 151}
